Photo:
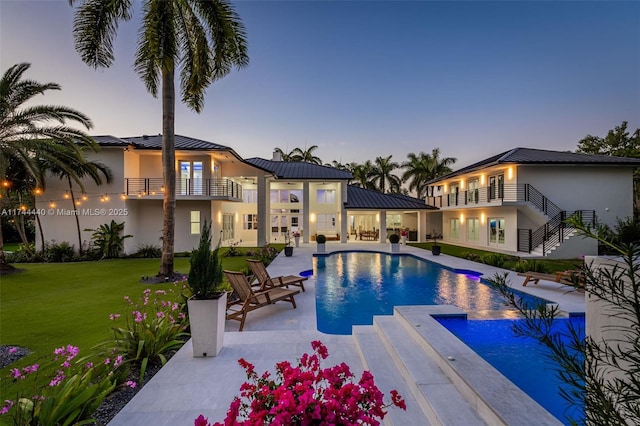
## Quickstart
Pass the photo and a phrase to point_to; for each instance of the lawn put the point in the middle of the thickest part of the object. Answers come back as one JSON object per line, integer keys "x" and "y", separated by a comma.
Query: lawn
{"x": 49, "y": 305}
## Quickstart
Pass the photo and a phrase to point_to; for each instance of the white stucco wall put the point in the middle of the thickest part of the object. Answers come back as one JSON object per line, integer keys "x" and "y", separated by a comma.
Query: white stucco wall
{"x": 607, "y": 190}
{"x": 510, "y": 214}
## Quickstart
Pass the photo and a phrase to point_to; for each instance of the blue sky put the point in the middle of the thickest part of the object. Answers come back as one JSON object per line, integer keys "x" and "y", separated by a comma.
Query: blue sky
{"x": 370, "y": 78}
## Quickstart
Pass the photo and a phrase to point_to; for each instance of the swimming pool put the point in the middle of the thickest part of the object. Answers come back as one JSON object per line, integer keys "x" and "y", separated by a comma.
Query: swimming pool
{"x": 352, "y": 287}
{"x": 522, "y": 360}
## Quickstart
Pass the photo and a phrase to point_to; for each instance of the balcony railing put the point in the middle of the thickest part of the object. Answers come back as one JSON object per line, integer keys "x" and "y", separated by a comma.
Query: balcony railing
{"x": 208, "y": 188}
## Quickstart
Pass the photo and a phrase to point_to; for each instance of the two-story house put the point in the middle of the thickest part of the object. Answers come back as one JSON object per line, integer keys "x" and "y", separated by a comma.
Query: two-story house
{"x": 253, "y": 201}
{"x": 516, "y": 202}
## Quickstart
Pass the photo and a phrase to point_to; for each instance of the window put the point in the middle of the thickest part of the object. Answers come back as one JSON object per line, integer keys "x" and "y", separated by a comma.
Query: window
{"x": 454, "y": 229}
{"x": 286, "y": 196}
{"x": 191, "y": 178}
{"x": 326, "y": 196}
{"x": 249, "y": 221}
{"x": 194, "y": 223}
{"x": 473, "y": 229}
{"x": 326, "y": 222}
{"x": 496, "y": 230}
{"x": 250, "y": 196}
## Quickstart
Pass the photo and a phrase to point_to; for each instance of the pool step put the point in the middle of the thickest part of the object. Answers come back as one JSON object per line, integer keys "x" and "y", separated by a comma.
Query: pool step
{"x": 491, "y": 395}
{"x": 397, "y": 355}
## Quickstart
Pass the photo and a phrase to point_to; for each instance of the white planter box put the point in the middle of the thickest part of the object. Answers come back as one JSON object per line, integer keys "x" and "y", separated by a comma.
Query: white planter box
{"x": 321, "y": 247}
{"x": 206, "y": 319}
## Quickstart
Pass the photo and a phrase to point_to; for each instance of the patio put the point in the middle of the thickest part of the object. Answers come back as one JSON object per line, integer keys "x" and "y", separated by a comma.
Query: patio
{"x": 187, "y": 387}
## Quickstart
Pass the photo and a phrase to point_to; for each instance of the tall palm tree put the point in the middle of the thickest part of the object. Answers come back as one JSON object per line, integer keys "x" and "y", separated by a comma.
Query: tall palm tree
{"x": 205, "y": 38}
{"x": 306, "y": 155}
{"x": 382, "y": 176}
{"x": 417, "y": 172}
{"x": 362, "y": 174}
{"x": 440, "y": 166}
{"x": 30, "y": 133}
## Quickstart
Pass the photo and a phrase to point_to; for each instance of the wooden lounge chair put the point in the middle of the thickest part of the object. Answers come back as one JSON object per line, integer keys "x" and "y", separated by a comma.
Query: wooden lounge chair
{"x": 265, "y": 280}
{"x": 571, "y": 277}
{"x": 249, "y": 300}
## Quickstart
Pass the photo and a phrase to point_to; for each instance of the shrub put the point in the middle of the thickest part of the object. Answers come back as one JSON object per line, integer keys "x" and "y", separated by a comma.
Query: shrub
{"x": 233, "y": 250}
{"x": 148, "y": 251}
{"x": 265, "y": 254}
{"x": 62, "y": 252}
{"x": 529, "y": 265}
{"x": 24, "y": 254}
{"x": 205, "y": 274}
{"x": 394, "y": 238}
{"x": 306, "y": 394}
{"x": 155, "y": 325}
{"x": 70, "y": 397}
{"x": 107, "y": 239}
{"x": 494, "y": 259}
{"x": 627, "y": 231}
{"x": 321, "y": 239}
{"x": 472, "y": 257}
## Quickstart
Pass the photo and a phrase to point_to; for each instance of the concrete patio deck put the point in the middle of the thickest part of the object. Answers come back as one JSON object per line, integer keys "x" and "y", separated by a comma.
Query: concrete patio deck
{"x": 187, "y": 387}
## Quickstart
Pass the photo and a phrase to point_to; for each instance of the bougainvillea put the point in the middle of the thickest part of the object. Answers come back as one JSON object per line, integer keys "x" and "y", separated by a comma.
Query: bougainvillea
{"x": 306, "y": 394}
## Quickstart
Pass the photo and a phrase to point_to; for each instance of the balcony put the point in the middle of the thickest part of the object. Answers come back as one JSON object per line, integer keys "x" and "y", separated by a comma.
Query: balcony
{"x": 214, "y": 189}
{"x": 489, "y": 196}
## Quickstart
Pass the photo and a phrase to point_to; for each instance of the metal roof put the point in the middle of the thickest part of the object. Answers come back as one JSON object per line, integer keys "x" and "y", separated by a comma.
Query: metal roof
{"x": 542, "y": 156}
{"x": 299, "y": 170}
{"x": 365, "y": 199}
{"x": 108, "y": 140}
{"x": 182, "y": 143}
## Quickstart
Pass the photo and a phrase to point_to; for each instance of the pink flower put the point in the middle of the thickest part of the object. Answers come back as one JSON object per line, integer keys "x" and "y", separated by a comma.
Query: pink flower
{"x": 201, "y": 421}
{"x": 117, "y": 361}
{"x": 113, "y": 317}
{"x": 13, "y": 350}
{"x": 7, "y": 406}
{"x": 89, "y": 365}
{"x": 131, "y": 384}
{"x": 107, "y": 361}
{"x": 56, "y": 380}
{"x": 16, "y": 373}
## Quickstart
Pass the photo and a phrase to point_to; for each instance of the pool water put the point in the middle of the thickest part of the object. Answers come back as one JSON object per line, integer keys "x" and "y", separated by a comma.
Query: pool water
{"x": 521, "y": 360}
{"x": 352, "y": 287}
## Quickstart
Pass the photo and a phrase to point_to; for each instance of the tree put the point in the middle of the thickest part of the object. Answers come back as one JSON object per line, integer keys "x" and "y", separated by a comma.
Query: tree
{"x": 283, "y": 155}
{"x": 617, "y": 143}
{"x": 382, "y": 177}
{"x": 417, "y": 172}
{"x": 306, "y": 155}
{"x": 362, "y": 174}
{"x": 440, "y": 166}
{"x": 602, "y": 374}
{"x": 32, "y": 133}
{"x": 205, "y": 38}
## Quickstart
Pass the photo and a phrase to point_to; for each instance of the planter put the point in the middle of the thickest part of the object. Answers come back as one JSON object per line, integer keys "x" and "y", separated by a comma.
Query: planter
{"x": 297, "y": 240}
{"x": 435, "y": 250}
{"x": 288, "y": 251}
{"x": 321, "y": 247}
{"x": 206, "y": 319}
{"x": 395, "y": 247}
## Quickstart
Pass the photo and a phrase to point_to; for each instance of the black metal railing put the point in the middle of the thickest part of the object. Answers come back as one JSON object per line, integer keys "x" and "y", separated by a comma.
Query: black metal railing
{"x": 209, "y": 187}
{"x": 553, "y": 232}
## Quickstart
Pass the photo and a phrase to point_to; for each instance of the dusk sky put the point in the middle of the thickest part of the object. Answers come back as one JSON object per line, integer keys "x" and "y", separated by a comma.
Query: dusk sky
{"x": 370, "y": 78}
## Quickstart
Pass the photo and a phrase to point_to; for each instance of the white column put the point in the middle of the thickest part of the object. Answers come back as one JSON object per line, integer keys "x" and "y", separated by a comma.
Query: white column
{"x": 263, "y": 211}
{"x": 306, "y": 229}
{"x": 383, "y": 225}
{"x": 344, "y": 220}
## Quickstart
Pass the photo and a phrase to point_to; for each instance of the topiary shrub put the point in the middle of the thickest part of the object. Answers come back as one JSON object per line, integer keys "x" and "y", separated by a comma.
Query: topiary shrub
{"x": 394, "y": 238}
{"x": 321, "y": 239}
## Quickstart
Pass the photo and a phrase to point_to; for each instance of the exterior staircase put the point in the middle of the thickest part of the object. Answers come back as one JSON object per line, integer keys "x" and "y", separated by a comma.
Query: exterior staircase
{"x": 442, "y": 380}
{"x": 555, "y": 231}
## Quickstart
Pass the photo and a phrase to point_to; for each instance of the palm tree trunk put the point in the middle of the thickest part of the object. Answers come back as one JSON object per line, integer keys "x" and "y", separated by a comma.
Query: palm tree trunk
{"x": 41, "y": 234}
{"x": 75, "y": 209}
{"x": 168, "y": 171}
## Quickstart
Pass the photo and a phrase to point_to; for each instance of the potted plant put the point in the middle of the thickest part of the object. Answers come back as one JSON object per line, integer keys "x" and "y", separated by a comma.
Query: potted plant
{"x": 288, "y": 250}
{"x": 435, "y": 247}
{"x": 394, "y": 239}
{"x": 321, "y": 240}
{"x": 208, "y": 302}
{"x": 403, "y": 234}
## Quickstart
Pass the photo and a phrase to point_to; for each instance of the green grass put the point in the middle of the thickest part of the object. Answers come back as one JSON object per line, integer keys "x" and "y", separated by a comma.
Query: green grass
{"x": 551, "y": 265}
{"x": 10, "y": 246}
{"x": 49, "y": 305}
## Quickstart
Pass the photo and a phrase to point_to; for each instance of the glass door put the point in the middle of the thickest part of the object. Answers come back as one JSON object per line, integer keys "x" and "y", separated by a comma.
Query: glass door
{"x": 185, "y": 176}
{"x": 191, "y": 178}
{"x": 496, "y": 231}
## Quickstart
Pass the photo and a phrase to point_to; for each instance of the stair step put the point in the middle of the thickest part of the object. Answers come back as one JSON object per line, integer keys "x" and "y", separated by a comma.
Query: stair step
{"x": 445, "y": 404}
{"x": 387, "y": 376}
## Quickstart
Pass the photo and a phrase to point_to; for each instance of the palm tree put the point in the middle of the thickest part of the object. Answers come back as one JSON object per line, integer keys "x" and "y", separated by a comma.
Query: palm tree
{"x": 283, "y": 155}
{"x": 206, "y": 38}
{"x": 440, "y": 166}
{"x": 417, "y": 172}
{"x": 306, "y": 155}
{"x": 382, "y": 175}
{"x": 31, "y": 133}
{"x": 362, "y": 174}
